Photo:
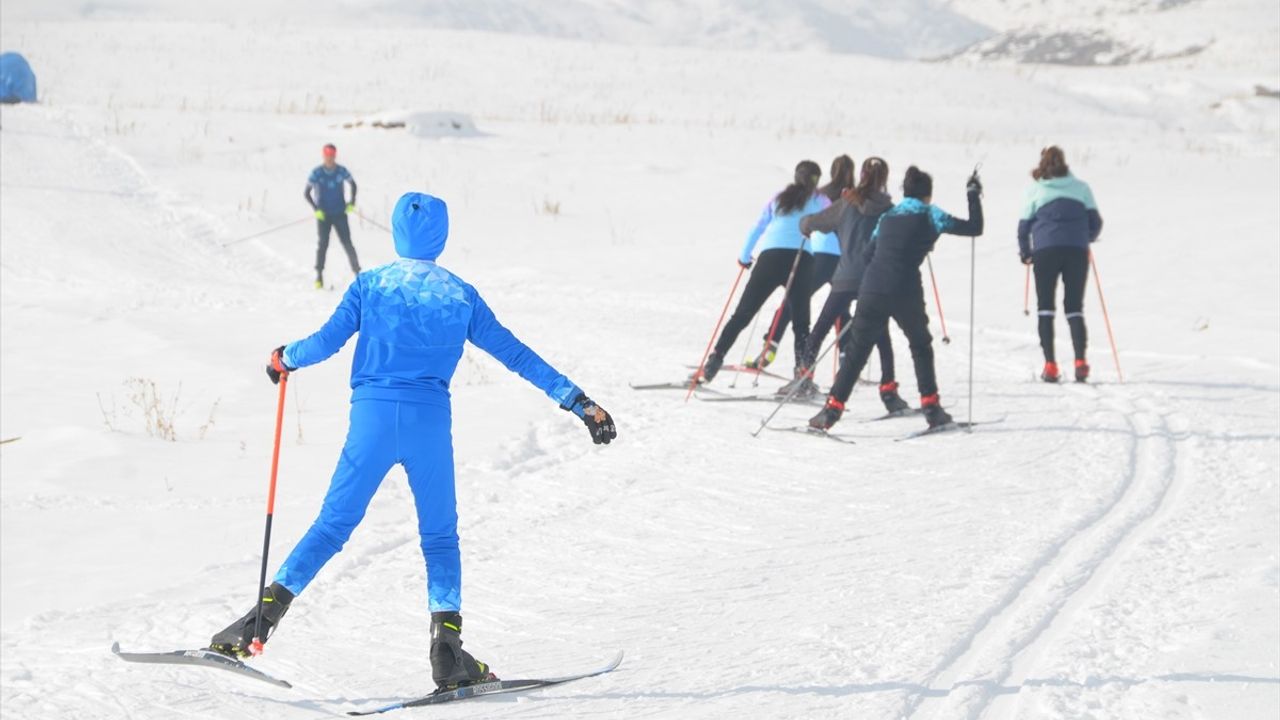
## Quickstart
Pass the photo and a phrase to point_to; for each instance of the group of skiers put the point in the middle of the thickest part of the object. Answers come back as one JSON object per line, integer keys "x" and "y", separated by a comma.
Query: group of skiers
{"x": 412, "y": 318}
{"x": 852, "y": 236}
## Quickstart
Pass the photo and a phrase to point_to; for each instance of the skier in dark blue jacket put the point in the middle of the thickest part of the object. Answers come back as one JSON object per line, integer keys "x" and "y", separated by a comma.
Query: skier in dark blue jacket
{"x": 1059, "y": 221}
{"x": 412, "y": 317}
{"x": 326, "y": 194}
{"x": 892, "y": 288}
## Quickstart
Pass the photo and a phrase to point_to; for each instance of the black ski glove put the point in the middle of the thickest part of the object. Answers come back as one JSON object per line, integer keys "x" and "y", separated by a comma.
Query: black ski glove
{"x": 1025, "y": 257}
{"x": 744, "y": 265}
{"x": 598, "y": 421}
{"x": 276, "y": 368}
{"x": 974, "y": 186}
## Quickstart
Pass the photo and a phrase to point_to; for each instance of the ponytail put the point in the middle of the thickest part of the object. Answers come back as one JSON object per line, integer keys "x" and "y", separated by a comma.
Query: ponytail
{"x": 874, "y": 177}
{"x": 1053, "y": 164}
{"x": 794, "y": 197}
{"x": 841, "y": 178}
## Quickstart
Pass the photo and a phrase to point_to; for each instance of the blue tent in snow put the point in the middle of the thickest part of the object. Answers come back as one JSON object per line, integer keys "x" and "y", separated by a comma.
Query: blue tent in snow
{"x": 17, "y": 81}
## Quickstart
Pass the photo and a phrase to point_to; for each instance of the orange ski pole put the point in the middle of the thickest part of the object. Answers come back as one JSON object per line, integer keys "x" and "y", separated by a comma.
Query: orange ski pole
{"x": 255, "y": 647}
{"x": 937, "y": 299}
{"x": 693, "y": 382}
{"x": 1097, "y": 281}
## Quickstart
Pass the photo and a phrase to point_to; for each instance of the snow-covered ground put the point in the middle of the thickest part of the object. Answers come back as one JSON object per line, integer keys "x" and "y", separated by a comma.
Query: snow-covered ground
{"x": 1106, "y": 551}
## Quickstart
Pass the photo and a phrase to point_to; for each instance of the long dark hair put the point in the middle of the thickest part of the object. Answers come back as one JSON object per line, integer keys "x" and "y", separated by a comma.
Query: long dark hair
{"x": 841, "y": 178}
{"x": 917, "y": 183}
{"x": 796, "y": 194}
{"x": 874, "y": 177}
{"x": 1053, "y": 164}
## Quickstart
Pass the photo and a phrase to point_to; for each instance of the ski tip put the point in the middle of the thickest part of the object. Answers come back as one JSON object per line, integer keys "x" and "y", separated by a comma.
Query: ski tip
{"x": 115, "y": 647}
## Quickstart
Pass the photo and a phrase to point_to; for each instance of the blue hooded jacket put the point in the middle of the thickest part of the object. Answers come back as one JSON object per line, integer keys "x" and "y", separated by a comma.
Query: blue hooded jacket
{"x": 413, "y": 317}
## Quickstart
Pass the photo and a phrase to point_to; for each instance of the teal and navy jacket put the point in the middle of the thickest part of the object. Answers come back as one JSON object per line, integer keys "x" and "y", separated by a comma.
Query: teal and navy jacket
{"x": 1059, "y": 212}
{"x": 903, "y": 237}
{"x": 413, "y": 318}
{"x": 783, "y": 231}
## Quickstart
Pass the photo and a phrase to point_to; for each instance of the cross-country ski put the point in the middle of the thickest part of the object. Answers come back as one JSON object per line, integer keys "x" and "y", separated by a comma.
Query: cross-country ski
{"x": 202, "y": 657}
{"x": 492, "y": 687}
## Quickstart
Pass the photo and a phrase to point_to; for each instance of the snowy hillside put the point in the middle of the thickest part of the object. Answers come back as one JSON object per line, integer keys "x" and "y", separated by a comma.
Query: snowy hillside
{"x": 1100, "y": 551}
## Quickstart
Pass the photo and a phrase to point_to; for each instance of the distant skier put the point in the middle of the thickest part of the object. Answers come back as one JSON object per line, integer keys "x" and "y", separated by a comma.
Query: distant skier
{"x": 892, "y": 288}
{"x": 853, "y": 218}
{"x": 412, "y": 317}
{"x": 325, "y": 194}
{"x": 778, "y": 234}
{"x": 1059, "y": 221}
{"x": 826, "y": 255}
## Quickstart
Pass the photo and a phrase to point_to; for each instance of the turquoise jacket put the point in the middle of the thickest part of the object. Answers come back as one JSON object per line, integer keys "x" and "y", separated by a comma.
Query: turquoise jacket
{"x": 782, "y": 231}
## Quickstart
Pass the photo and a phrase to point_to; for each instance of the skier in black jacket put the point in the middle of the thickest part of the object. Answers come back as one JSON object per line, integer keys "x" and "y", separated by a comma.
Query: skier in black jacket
{"x": 893, "y": 288}
{"x": 852, "y": 218}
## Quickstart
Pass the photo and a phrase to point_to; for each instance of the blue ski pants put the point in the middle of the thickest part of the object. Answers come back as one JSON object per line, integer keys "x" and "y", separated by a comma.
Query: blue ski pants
{"x": 383, "y": 433}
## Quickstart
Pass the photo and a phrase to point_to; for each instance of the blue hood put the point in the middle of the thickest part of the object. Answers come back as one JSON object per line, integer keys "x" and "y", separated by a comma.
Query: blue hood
{"x": 420, "y": 225}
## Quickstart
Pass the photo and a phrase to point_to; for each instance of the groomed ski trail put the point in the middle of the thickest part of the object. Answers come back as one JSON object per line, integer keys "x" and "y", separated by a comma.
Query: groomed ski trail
{"x": 1006, "y": 640}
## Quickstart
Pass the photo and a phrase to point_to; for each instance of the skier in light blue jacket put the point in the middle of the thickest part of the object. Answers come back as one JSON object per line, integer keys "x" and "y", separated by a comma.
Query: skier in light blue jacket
{"x": 782, "y": 249}
{"x": 412, "y": 318}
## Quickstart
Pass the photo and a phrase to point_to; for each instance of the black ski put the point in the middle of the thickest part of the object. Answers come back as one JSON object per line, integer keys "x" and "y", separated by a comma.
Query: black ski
{"x": 203, "y": 657}
{"x": 949, "y": 427}
{"x": 906, "y": 412}
{"x": 773, "y": 398}
{"x": 493, "y": 687}
{"x": 745, "y": 369}
{"x": 674, "y": 386}
{"x": 814, "y": 432}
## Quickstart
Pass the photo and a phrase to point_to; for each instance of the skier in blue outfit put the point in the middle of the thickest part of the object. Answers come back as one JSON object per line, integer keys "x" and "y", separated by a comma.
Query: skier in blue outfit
{"x": 412, "y": 317}
{"x": 326, "y": 194}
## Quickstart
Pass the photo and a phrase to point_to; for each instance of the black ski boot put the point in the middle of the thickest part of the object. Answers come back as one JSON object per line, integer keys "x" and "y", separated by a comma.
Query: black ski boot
{"x": 893, "y": 402}
{"x": 709, "y": 368}
{"x": 236, "y": 639}
{"x": 803, "y": 386}
{"x": 933, "y": 412}
{"x": 451, "y": 666}
{"x": 828, "y": 416}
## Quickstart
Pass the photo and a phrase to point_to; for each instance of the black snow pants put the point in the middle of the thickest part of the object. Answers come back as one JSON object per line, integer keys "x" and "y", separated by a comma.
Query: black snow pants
{"x": 820, "y": 272}
{"x": 1072, "y": 264}
{"x": 769, "y": 273}
{"x": 336, "y": 221}
{"x": 837, "y": 308}
{"x": 871, "y": 322}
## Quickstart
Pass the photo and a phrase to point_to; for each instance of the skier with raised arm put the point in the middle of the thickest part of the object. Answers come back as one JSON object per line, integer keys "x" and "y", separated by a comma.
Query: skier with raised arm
{"x": 892, "y": 288}
{"x": 412, "y": 318}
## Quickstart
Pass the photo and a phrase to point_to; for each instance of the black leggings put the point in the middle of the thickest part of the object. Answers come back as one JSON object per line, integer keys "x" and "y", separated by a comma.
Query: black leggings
{"x": 770, "y": 272}
{"x": 336, "y": 221}
{"x": 824, "y": 266}
{"x": 837, "y": 308}
{"x": 1073, "y": 265}
{"x": 871, "y": 322}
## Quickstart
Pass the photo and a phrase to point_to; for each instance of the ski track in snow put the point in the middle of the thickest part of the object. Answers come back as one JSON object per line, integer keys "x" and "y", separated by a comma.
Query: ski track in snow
{"x": 1004, "y": 641}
